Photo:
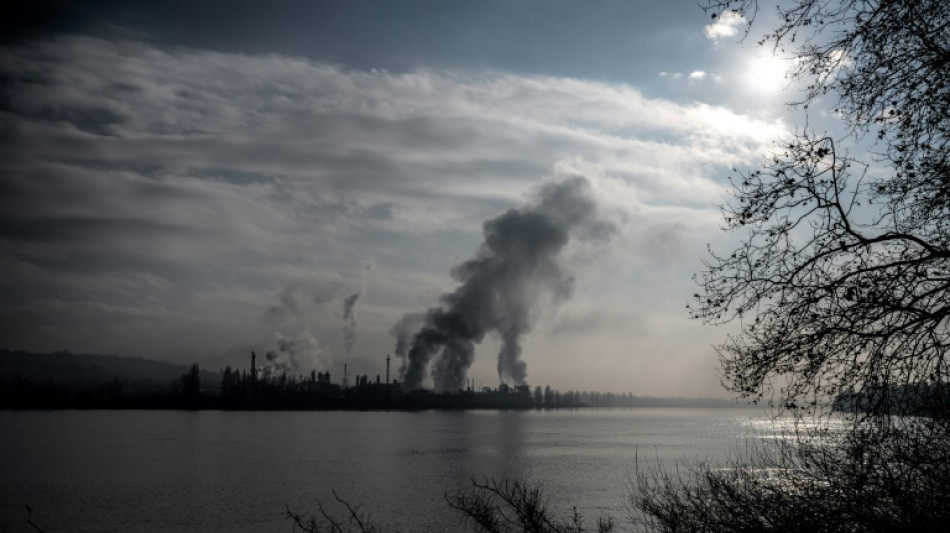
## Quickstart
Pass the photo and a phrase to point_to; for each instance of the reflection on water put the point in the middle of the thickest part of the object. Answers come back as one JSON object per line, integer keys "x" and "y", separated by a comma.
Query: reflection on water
{"x": 827, "y": 429}
{"x": 236, "y": 471}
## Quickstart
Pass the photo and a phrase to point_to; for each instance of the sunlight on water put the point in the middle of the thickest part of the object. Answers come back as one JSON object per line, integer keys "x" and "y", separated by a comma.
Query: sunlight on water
{"x": 236, "y": 471}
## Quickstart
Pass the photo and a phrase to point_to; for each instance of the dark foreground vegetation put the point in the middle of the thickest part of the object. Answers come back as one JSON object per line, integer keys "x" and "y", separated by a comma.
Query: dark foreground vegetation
{"x": 860, "y": 482}
{"x": 490, "y": 506}
{"x": 853, "y": 482}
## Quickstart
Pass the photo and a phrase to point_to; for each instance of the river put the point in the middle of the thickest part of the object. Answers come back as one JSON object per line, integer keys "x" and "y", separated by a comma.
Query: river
{"x": 210, "y": 471}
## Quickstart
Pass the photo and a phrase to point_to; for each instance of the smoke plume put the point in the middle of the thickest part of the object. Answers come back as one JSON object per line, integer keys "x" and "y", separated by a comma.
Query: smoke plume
{"x": 297, "y": 304}
{"x": 404, "y": 331}
{"x": 516, "y": 266}
{"x": 350, "y": 317}
{"x": 350, "y": 320}
{"x": 298, "y": 300}
{"x": 299, "y": 354}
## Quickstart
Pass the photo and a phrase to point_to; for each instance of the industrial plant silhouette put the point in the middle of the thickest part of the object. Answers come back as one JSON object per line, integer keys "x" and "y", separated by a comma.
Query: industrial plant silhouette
{"x": 263, "y": 388}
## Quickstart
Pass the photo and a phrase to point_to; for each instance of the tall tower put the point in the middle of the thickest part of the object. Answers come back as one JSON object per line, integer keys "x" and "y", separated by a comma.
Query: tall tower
{"x": 253, "y": 366}
{"x": 387, "y": 370}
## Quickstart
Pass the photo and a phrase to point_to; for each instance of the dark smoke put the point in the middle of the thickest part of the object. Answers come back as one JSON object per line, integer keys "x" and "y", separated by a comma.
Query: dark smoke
{"x": 517, "y": 264}
{"x": 350, "y": 320}
{"x": 404, "y": 331}
{"x": 349, "y": 314}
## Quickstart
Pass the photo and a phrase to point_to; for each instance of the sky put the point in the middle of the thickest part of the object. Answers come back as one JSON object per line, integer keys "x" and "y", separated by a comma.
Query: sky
{"x": 193, "y": 181}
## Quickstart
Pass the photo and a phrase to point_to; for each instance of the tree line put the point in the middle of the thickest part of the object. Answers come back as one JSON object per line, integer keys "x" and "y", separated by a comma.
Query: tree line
{"x": 241, "y": 389}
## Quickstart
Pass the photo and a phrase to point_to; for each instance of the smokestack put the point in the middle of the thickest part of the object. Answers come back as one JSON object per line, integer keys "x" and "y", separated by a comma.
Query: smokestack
{"x": 387, "y": 369}
{"x": 253, "y": 366}
{"x": 344, "y": 375}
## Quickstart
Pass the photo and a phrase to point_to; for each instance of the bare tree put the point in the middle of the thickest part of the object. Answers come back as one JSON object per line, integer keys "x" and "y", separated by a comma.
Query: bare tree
{"x": 865, "y": 483}
{"x": 841, "y": 282}
{"x": 515, "y": 506}
{"x": 354, "y": 520}
{"x": 840, "y": 285}
{"x": 488, "y": 507}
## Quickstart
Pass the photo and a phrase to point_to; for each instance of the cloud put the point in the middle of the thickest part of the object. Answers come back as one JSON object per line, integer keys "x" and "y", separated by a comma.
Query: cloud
{"x": 691, "y": 78}
{"x": 155, "y": 200}
{"x": 727, "y": 24}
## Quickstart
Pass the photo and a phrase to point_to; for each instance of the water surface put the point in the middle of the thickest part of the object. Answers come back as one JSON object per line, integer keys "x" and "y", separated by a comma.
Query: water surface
{"x": 128, "y": 471}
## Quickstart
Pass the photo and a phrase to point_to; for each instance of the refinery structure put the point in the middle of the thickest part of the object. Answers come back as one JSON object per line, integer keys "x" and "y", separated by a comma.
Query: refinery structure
{"x": 262, "y": 388}
{"x": 270, "y": 388}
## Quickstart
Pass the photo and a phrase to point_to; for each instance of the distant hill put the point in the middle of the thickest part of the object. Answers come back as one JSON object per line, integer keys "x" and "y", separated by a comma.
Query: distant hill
{"x": 67, "y": 367}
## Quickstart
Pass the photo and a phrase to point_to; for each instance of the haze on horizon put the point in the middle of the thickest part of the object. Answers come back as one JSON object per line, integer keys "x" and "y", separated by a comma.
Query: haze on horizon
{"x": 190, "y": 183}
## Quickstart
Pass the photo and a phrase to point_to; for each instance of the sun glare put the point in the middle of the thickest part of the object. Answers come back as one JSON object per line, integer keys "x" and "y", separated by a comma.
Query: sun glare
{"x": 765, "y": 74}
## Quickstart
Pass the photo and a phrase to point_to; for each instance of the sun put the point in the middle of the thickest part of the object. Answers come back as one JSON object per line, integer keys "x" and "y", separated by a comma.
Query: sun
{"x": 765, "y": 74}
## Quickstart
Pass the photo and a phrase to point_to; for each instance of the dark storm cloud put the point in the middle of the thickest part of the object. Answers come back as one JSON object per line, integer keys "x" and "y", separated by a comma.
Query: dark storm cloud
{"x": 606, "y": 39}
{"x": 517, "y": 265}
{"x": 25, "y": 19}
